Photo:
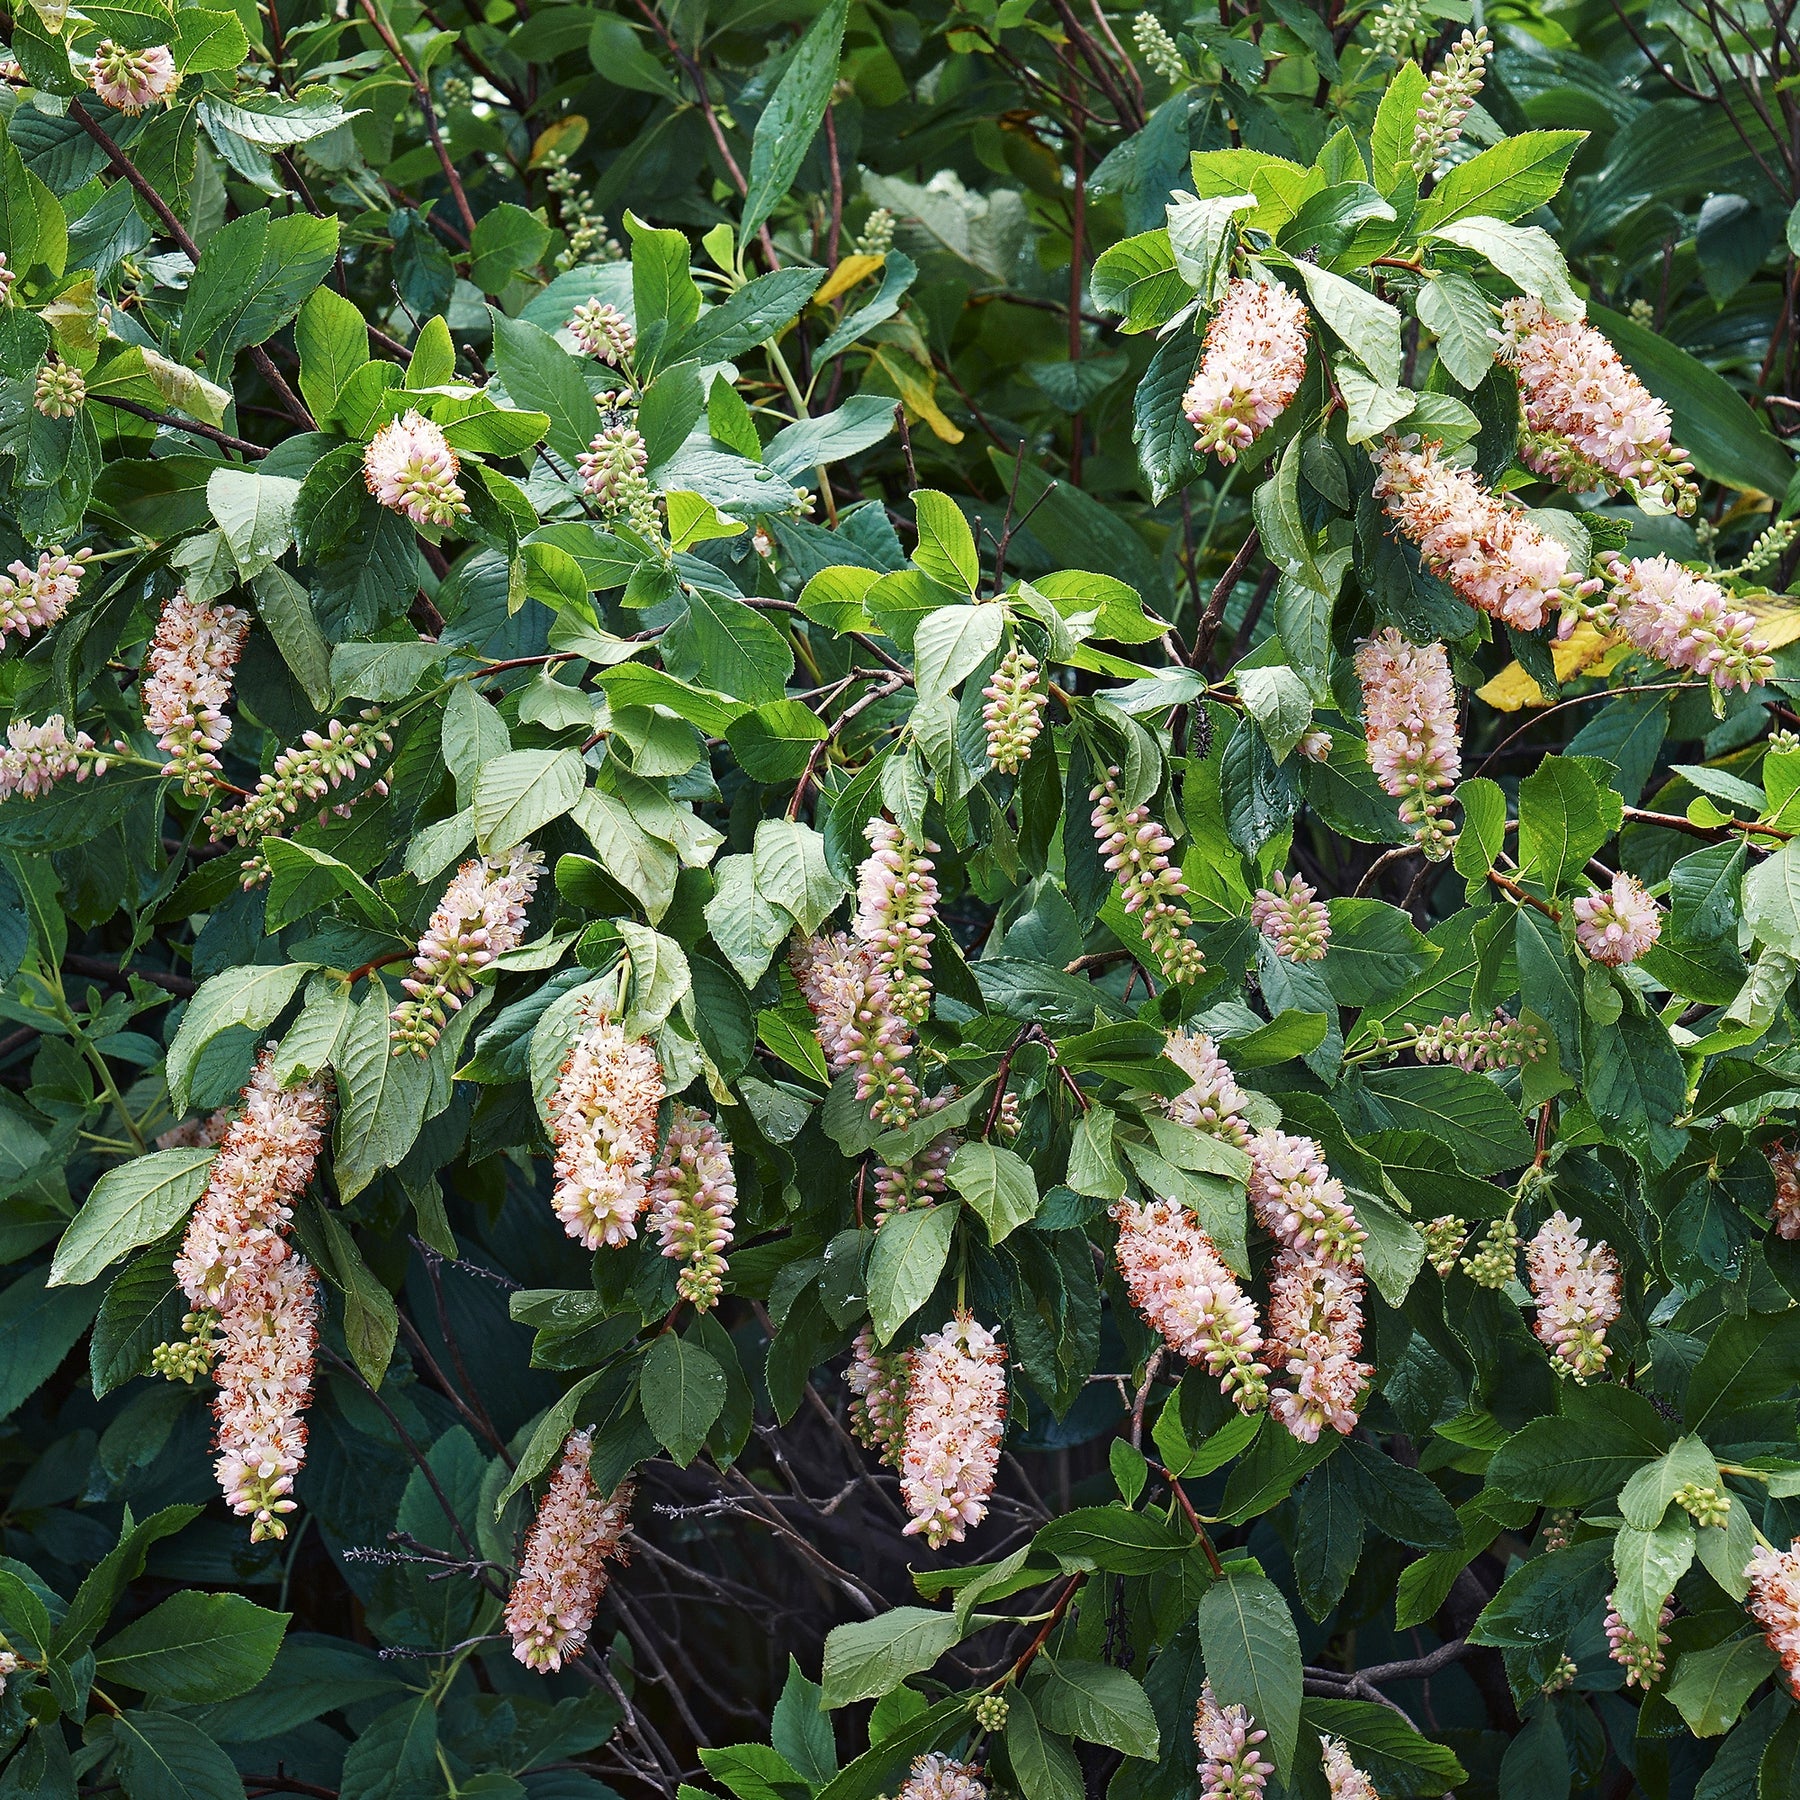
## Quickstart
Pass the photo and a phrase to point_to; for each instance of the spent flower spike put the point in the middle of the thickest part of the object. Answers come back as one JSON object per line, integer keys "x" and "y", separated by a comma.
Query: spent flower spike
{"x": 1784, "y": 1164}
{"x": 575, "y": 1539}
{"x": 1251, "y": 366}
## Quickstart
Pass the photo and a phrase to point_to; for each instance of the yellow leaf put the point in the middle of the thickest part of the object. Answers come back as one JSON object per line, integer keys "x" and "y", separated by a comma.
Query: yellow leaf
{"x": 1586, "y": 651}
{"x": 918, "y": 394}
{"x": 1777, "y": 617}
{"x": 846, "y": 275}
{"x": 565, "y": 136}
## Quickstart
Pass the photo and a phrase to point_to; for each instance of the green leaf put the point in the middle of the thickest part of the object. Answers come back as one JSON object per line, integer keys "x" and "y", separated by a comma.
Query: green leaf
{"x": 872, "y": 1656}
{"x": 909, "y": 1255}
{"x": 1526, "y": 255}
{"x": 1602, "y": 1439}
{"x": 143, "y": 1307}
{"x": 395, "y": 1756}
{"x": 248, "y": 996}
{"x": 1772, "y": 900}
{"x": 1747, "y": 1361}
{"x": 1385, "y": 1747}
{"x": 517, "y": 795}
{"x": 196, "y": 1647}
{"x": 1567, "y": 810}
{"x": 371, "y": 1319}
{"x": 378, "y": 672}
{"x": 1044, "y": 1764}
{"x": 1375, "y": 950}
{"x": 751, "y": 316}
{"x": 163, "y": 1757}
{"x": 791, "y": 872}
{"x": 998, "y": 1185}
{"x": 1709, "y": 1687}
{"x": 1543, "y": 1600}
{"x": 946, "y": 546}
{"x": 508, "y": 241}
{"x": 952, "y": 643}
{"x": 1369, "y": 327}
{"x": 1505, "y": 181}
{"x": 269, "y": 120}
{"x": 776, "y": 741}
{"x": 1253, "y": 1654}
{"x": 540, "y": 375}
{"x": 785, "y": 130}
{"x": 683, "y": 1392}
{"x": 1479, "y": 1127}
{"x": 1113, "y": 1538}
{"x": 1648, "y": 1494}
{"x": 381, "y": 1096}
{"x": 333, "y": 341}
{"x": 1726, "y": 439}
{"x": 39, "y": 1326}
{"x": 1160, "y": 429}
{"x": 1139, "y": 280}
{"x": 1097, "y": 1703}
{"x": 1649, "y": 1563}
{"x": 129, "y": 1206}
{"x": 1461, "y": 317}
{"x": 799, "y": 1730}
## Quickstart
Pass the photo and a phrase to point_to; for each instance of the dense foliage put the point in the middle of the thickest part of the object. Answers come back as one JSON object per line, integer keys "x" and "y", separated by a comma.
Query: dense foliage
{"x": 899, "y": 898}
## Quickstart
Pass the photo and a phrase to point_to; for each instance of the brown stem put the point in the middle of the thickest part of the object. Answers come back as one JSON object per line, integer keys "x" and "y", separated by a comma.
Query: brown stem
{"x": 212, "y": 433}
{"x": 101, "y": 970}
{"x": 385, "y": 33}
{"x": 1208, "y": 629}
{"x": 1507, "y": 885}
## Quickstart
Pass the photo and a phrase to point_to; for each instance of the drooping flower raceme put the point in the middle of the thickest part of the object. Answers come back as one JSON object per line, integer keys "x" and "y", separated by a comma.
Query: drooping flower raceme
{"x": 1774, "y": 1602}
{"x": 693, "y": 1198}
{"x": 187, "y": 685}
{"x": 1298, "y": 1200}
{"x": 236, "y": 1266}
{"x": 1643, "y": 1663}
{"x": 1214, "y": 1103}
{"x": 1687, "y": 622}
{"x": 603, "y": 331}
{"x": 1784, "y": 1164}
{"x": 1159, "y": 51}
{"x": 955, "y": 1420}
{"x": 1449, "y": 95}
{"x": 1617, "y": 926}
{"x": 1135, "y": 850}
{"x": 896, "y": 904}
{"x": 935, "y": 1776}
{"x": 1014, "y": 713}
{"x": 877, "y": 1383}
{"x": 410, "y": 468}
{"x": 34, "y": 599}
{"x": 263, "y": 1373}
{"x": 1494, "y": 557}
{"x": 130, "y": 80}
{"x": 830, "y": 971}
{"x": 1589, "y": 421}
{"x": 859, "y": 1026}
{"x": 1178, "y": 1281}
{"x": 1576, "y": 1288}
{"x": 1251, "y": 366}
{"x": 1292, "y": 917}
{"x": 603, "y": 1130}
{"x": 1409, "y": 719}
{"x": 1343, "y": 1778}
{"x": 238, "y": 1229}
{"x": 1231, "y": 1767}
{"x": 481, "y": 916}
{"x": 575, "y": 1538}
{"x": 924, "y": 1179}
{"x": 35, "y": 758}
{"x": 1315, "y": 1335}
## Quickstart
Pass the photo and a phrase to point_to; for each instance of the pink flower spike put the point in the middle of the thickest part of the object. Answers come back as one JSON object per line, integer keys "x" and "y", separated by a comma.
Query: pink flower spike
{"x": 1135, "y": 851}
{"x": 877, "y": 1383}
{"x": 603, "y": 1127}
{"x": 410, "y": 468}
{"x": 1215, "y": 1103}
{"x": 1231, "y": 1767}
{"x": 573, "y": 1541}
{"x": 1291, "y": 916}
{"x": 1616, "y": 927}
{"x": 1643, "y": 1663}
{"x": 34, "y": 599}
{"x": 935, "y": 1776}
{"x": 1577, "y": 1293}
{"x": 1315, "y": 1335}
{"x": 1342, "y": 1777}
{"x": 187, "y": 685}
{"x": 1687, "y": 622}
{"x": 955, "y": 1421}
{"x": 130, "y": 80}
{"x": 1298, "y": 1200}
{"x": 1409, "y": 719}
{"x": 1250, "y": 368}
{"x": 1784, "y": 1163}
{"x": 1774, "y": 1602}
{"x": 34, "y": 758}
{"x": 693, "y": 1197}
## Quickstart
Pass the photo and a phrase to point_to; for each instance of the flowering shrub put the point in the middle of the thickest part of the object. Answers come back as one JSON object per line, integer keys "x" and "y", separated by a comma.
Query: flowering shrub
{"x": 898, "y": 901}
